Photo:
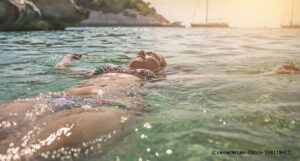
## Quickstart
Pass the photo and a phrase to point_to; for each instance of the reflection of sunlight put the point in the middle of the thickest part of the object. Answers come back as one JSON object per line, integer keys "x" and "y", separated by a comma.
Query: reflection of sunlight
{"x": 240, "y": 13}
{"x": 186, "y": 23}
{"x": 141, "y": 133}
{"x": 55, "y": 136}
{"x": 29, "y": 145}
{"x": 7, "y": 124}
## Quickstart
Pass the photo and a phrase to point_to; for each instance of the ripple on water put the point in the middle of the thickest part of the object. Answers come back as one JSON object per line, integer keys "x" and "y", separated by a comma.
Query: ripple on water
{"x": 254, "y": 47}
{"x": 276, "y": 42}
{"x": 192, "y": 52}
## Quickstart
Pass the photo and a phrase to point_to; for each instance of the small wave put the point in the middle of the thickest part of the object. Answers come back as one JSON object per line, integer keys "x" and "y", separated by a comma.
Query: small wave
{"x": 190, "y": 52}
{"x": 116, "y": 35}
{"x": 253, "y": 47}
{"x": 28, "y": 82}
{"x": 276, "y": 42}
{"x": 258, "y": 37}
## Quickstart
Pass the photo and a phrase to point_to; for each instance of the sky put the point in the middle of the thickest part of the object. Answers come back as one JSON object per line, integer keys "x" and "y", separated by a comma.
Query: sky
{"x": 238, "y": 13}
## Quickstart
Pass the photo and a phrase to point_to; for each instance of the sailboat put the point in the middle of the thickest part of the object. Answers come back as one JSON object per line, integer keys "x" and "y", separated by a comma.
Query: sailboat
{"x": 210, "y": 24}
{"x": 292, "y": 24}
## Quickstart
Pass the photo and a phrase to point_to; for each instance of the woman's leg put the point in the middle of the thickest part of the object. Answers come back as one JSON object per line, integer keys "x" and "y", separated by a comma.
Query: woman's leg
{"x": 77, "y": 128}
{"x": 16, "y": 114}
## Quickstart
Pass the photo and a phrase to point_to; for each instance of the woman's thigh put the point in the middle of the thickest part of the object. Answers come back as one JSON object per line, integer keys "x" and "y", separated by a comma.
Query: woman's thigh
{"x": 70, "y": 128}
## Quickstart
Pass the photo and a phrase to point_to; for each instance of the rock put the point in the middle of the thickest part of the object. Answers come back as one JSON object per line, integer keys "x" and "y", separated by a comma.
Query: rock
{"x": 61, "y": 12}
{"x": 8, "y": 13}
{"x": 130, "y": 17}
{"x": 19, "y": 16}
{"x": 39, "y": 14}
{"x": 121, "y": 13}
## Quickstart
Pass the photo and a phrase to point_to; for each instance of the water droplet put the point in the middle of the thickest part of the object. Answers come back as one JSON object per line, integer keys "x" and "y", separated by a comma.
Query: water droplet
{"x": 143, "y": 136}
{"x": 169, "y": 151}
{"x": 147, "y": 125}
{"x": 117, "y": 158}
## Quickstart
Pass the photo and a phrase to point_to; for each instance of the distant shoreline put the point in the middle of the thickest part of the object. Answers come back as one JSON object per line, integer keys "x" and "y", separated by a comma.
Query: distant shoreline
{"x": 130, "y": 25}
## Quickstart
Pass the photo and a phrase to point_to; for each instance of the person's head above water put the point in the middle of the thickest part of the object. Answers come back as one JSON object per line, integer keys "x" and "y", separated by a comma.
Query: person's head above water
{"x": 148, "y": 60}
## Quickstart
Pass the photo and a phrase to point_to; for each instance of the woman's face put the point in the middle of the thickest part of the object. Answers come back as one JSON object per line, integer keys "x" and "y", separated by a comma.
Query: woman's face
{"x": 145, "y": 60}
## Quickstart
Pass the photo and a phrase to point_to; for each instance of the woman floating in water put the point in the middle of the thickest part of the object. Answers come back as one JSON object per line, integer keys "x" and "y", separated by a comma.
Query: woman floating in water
{"x": 81, "y": 119}
{"x": 86, "y": 118}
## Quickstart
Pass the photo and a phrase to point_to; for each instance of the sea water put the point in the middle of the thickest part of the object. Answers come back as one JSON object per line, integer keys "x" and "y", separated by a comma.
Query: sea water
{"x": 187, "y": 119}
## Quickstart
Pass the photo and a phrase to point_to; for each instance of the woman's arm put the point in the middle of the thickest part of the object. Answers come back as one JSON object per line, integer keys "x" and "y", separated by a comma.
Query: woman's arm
{"x": 283, "y": 69}
{"x": 286, "y": 69}
{"x": 67, "y": 59}
{"x": 280, "y": 69}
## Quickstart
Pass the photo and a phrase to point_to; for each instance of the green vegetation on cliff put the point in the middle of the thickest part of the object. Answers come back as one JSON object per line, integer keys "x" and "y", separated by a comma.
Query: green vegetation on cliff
{"x": 116, "y": 6}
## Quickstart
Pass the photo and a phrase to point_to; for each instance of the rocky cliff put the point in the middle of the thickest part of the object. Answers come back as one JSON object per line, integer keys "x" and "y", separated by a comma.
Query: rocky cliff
{"x": 121, "y": 13}
{"x": 39, "y": 14}
{"x": 57, "y": 14}
{"x": 129, "y": 18}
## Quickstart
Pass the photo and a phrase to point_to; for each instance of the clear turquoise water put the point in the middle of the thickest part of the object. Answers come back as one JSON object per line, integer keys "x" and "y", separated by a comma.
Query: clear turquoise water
{"x": 192, "y": 118}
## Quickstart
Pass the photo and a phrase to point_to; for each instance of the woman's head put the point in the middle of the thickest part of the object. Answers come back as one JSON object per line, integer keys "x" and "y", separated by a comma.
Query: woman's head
{"x": 148, "y": 60}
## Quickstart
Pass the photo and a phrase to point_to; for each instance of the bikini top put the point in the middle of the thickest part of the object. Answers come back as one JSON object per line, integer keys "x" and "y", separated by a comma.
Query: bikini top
{"x": 112, "y": 68}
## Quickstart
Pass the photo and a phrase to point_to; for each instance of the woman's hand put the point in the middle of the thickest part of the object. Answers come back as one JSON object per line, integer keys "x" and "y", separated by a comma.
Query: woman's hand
{"x": 76, "y": 56}
{"x": 286, "y": 69}
{"x": 68, "y": 57}
{"x": 66, "y": 60}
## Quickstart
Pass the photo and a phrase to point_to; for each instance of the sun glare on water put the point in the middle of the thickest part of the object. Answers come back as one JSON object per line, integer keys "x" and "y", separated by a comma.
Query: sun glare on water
{"x": 238, "y": 13}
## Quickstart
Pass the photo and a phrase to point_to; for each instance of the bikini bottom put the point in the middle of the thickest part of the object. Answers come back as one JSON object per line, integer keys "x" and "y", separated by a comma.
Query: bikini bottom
{"x": 65, "y": 102}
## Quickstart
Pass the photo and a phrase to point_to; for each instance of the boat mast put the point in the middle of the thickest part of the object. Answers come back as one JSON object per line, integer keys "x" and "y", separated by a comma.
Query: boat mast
{"x": 206, "y": 18}
{"x": 292, "y": 15}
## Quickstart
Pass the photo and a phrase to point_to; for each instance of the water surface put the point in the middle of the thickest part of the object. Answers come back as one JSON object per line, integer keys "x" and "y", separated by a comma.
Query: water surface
{"x": 189, "y": 119}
